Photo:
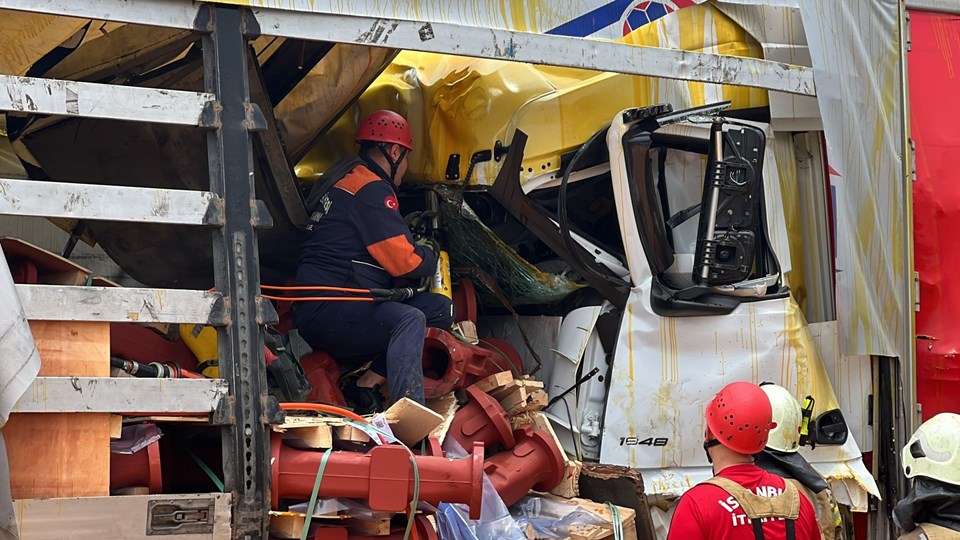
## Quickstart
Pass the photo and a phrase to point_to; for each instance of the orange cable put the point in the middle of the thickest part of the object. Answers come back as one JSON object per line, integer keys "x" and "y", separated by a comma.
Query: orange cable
{"x": 318, "y": 298}
{"x": 322, "y": 407}
{"x": 315, "y": 288}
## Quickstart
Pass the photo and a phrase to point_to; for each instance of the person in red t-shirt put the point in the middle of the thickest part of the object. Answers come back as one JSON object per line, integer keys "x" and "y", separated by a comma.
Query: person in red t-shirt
{"x": 739, "y": 420}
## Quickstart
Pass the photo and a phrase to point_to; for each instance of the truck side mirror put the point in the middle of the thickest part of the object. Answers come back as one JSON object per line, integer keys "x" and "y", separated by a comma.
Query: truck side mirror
{"x": 730, "y": 221}
{"x": 830, "y": 428}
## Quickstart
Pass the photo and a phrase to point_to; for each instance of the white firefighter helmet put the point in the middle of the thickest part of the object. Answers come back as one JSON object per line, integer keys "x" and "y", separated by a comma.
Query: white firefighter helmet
{"x": 934, "y": 450}
{"x": 787, "y": 416}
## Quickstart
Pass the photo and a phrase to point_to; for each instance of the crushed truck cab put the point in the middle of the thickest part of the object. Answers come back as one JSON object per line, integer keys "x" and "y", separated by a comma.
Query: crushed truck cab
{"x": 688, "y": 304}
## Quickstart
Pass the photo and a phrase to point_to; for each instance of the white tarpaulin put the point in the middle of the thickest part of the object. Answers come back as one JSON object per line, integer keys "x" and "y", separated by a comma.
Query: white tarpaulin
{"x": 19, "y": 365}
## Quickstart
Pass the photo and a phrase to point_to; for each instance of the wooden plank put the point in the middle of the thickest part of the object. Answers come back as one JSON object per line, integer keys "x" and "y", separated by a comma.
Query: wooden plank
{"x": 495, "y": 381}
{"x": 508, "y": 389}
{"x": 411, "y": 421}
{"x": 596, "y": 532}
{"x": 379, "y": 525}
{"x": 122, "y": 395}
{"x": 52, "y": 269}
{"x": 446, "y": 406}
{"x": 109, "y": 203}
{"x": 622, "y": 486}
{"x": 119, "y": 304}
{"x": 313, "y": 436}
{"x": 536, "y": 400}
{"x": 116, "y": 426}
{"x": 127, "y": 517}
{"x": 63, "y": 454}
{"x": 96, "y": 100}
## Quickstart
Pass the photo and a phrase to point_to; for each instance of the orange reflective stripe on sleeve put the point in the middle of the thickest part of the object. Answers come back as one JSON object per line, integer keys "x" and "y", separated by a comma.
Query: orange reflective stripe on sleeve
{"x": 396, "y": 255}
{"x": 356, "y": 179}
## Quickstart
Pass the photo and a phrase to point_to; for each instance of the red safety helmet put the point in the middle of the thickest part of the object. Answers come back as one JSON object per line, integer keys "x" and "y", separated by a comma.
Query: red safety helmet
{"x": 740, "y": 417}
{"x": 385, "y": 127}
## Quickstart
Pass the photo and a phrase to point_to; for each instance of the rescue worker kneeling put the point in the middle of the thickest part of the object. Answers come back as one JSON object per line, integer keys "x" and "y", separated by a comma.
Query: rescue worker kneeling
{"x": 742, "y": 501}
{"x": 931, "y": 510}
{"x": 782, "y": 458}
{"x": 359, "y": 239}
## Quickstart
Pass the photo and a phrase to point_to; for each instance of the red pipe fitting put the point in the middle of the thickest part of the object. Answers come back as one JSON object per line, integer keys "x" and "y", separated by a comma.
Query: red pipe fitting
{"x": 383, "y": 476}
{"x": 534, "y": 463}
{"x": 139, "y": 469}
{"x": 450, "y": 364}
{"x": 482, "y": 419}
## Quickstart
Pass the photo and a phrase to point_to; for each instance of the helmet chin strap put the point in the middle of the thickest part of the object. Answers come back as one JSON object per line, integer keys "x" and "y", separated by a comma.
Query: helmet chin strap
{"x": 394, "y": 165}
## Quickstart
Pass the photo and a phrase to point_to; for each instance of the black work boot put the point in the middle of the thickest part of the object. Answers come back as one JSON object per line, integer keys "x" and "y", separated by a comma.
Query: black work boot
{"x": 364, "y": 401}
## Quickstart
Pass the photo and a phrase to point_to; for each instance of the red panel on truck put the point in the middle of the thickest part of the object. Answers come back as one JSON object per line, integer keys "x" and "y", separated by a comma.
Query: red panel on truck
{"x": 934, "y": 71}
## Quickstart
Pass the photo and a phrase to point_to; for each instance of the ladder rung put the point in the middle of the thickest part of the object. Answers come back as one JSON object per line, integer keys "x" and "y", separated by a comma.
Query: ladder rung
{"x": 120, "y": 304}
{"x": 96, "y": 100}
{"x": 109, "y": 203}
{"x": 122, "y": 395}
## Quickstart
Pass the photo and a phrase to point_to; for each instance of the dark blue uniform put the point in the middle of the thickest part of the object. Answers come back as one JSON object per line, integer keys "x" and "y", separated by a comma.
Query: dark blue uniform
{"x": 359, "y": 239}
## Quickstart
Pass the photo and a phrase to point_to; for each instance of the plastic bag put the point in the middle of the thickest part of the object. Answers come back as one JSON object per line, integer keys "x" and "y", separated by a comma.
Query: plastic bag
{"x": 135, "y": 438}
{"x": 551, "y": 518}
{"x": 495, "y": 521}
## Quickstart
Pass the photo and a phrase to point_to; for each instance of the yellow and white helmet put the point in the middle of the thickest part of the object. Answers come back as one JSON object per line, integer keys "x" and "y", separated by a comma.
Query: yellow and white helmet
{"x": 934, "y": 450}
{"x": 788, "y": 417}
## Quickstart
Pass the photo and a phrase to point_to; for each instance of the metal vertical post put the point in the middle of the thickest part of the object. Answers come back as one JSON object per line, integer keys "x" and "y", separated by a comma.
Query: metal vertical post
{"x": 246, "y": 451}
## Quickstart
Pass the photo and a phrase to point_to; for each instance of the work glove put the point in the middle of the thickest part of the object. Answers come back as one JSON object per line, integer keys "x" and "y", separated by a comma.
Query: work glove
{"x": 430, "y": 244}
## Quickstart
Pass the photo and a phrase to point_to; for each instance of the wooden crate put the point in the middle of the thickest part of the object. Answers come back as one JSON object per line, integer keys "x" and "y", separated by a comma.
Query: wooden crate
{"x": 138, "y": 517}
{"x": 63, "y": 454}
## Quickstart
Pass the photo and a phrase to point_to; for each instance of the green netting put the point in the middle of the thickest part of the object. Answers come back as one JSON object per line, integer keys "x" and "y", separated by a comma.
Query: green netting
{"x": 473, "y": 244}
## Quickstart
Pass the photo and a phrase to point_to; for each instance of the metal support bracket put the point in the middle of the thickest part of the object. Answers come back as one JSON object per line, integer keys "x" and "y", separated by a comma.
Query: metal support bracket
{"x": 272, "y": 413}
{"x": 210, "y": 115}
{"x": 255, "y": 121}
{"x": 266, "y": 313}
{"x": 262, "y": 219}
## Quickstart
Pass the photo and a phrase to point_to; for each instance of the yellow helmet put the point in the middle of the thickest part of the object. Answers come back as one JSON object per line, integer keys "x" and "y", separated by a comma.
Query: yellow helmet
{"x": 934, "y": 450}
{"x": 787, "y": 417}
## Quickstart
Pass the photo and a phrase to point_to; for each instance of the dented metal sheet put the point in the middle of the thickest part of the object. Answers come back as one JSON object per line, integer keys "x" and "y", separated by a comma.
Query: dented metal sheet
{"x": 122, "y": 395}
{"x": 70, "y": 98}
{"x": 120, "y": 304}
{"x": 109, "y": 203}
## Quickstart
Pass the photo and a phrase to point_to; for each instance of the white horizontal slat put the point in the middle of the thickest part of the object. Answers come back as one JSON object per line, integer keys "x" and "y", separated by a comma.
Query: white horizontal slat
{"x": 450, "y": 38}
{"x": 122, "y": 395}
{"x": 941, "y": 6}
{"x": 118, "y": 304}
{"x": 446, "y": 38}
{"x": 94, "y": 100}
{"x": 109, "y": 203}
{"x": 165, "y": 13}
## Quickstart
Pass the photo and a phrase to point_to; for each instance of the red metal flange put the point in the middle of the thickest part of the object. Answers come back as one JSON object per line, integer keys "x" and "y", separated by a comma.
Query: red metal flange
{"x": 383, "y": 476}
{"x": 450, "y": 364}
{"x": 139, "y": 469}
{"x": 482, "y": 419}
{"x": 444, "y": 361}
{"x": 465, "y": 302}
{"x": 534, "y": 463}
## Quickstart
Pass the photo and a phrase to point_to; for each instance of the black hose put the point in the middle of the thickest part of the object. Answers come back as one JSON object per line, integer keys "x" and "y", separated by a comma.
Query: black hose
{"x": 151, "y": 371}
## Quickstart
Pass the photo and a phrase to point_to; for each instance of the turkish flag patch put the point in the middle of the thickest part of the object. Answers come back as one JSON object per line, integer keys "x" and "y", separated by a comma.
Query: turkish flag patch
{"x": 391, "y": 202}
